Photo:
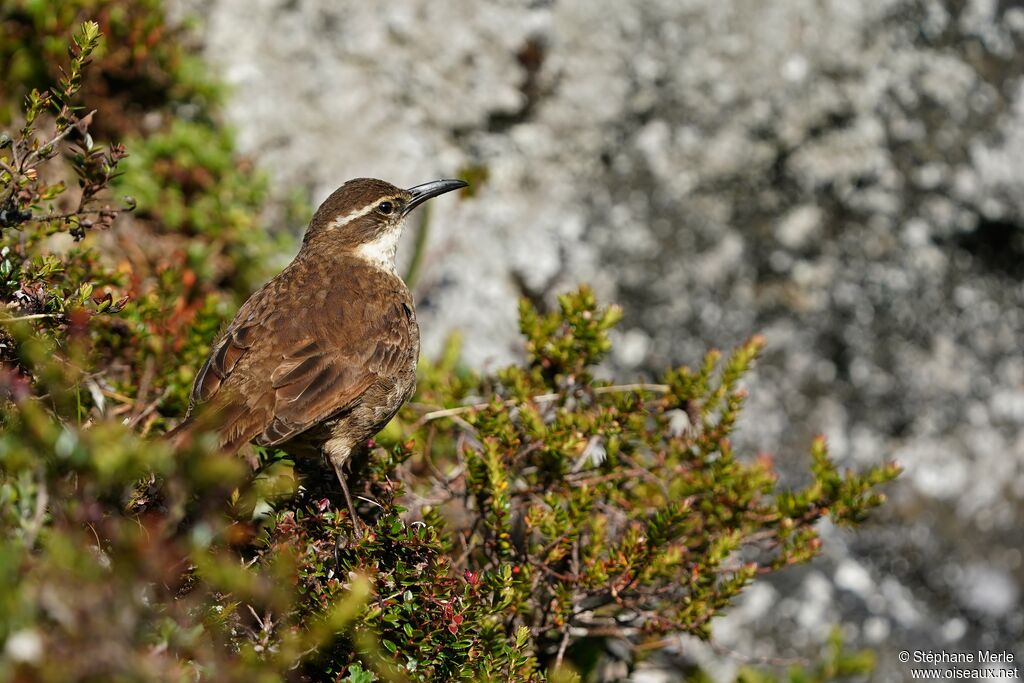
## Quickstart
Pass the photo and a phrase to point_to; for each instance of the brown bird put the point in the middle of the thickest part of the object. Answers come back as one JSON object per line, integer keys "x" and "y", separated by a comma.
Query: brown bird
{"x": 322, "y": 356}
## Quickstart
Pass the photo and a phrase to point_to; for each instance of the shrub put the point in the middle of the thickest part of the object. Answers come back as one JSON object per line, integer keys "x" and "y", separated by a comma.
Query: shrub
{"x": 190, "y": 253}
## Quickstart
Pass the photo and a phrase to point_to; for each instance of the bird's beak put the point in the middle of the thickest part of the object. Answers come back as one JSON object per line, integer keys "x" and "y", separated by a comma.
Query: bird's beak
{"x": 422, "y": 193}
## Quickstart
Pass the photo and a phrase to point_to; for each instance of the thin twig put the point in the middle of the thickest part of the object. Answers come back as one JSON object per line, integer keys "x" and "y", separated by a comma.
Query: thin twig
{"x": 562, "y": 646}
{"x": 142, "y": 395}
{"x": 121, "y": 398}
{"x": 452, "y": 412}
{"x": 577, "y": 479}
{"x": 639, "y": 386}
{"x": 25, "y": 164}
{"x": 564, "y": 578}
{"x": 99, "y": 543}
{"x": 543, "y": 398}
{"x": 148, "y": 409}
{"x": 14, "y": 153}
{"x": 34, "y": 316}
{"x": 605, "y": 630}
{"x": 80, "y": 211}
{"x": 148, "y": 425}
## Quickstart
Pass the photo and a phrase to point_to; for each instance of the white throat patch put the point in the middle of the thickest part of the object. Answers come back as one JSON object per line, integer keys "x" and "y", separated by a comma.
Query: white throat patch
{"x": 381, "y": 251}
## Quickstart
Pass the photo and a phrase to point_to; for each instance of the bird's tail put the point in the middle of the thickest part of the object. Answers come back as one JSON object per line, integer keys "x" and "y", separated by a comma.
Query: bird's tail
{"x": 219, "y": 420}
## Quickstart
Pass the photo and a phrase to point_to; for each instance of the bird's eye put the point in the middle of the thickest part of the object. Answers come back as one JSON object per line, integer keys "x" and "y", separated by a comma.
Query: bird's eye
{"x": 386, "y": 208}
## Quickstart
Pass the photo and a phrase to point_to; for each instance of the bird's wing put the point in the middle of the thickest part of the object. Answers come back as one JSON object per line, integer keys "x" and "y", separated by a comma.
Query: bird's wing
{"x": 325, "y": 376}
{"x": 237, "y": 340}
{"x": 278, "y": 369}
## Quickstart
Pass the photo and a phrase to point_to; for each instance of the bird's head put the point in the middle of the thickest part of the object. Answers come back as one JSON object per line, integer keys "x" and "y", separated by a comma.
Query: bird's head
{"x": 366, "y": 216}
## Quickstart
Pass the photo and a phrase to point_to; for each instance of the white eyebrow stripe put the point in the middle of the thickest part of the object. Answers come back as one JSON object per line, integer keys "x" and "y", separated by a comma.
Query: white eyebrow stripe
{"x": 351, "y": 216}
{"x": 358, "y": 213}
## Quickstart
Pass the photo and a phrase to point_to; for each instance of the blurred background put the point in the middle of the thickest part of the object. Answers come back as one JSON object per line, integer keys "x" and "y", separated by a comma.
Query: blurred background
{"x": 846, "y": 178}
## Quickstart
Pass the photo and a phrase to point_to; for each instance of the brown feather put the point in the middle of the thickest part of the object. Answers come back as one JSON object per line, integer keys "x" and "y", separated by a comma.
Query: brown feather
{"x": 278, "y": 381}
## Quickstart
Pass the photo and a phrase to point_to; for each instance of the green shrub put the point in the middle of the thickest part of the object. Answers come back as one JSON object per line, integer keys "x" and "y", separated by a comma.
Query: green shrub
{"x": 194, "y": 248}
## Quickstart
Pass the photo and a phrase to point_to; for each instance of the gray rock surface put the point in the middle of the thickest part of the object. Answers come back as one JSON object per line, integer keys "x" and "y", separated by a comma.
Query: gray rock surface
{"x": 845, "y": 177}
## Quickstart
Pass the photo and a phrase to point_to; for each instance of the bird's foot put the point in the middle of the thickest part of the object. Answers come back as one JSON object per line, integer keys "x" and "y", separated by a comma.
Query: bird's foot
{"x": 356, "y": 527}
{"x": 357, "y": 530}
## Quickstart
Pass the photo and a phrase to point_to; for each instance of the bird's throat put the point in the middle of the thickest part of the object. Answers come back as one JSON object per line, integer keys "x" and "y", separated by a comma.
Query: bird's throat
{"x": 380, "y": 252}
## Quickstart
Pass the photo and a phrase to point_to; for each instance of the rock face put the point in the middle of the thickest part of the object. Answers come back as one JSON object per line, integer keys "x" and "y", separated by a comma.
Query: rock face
{"x": 845, "y": 177}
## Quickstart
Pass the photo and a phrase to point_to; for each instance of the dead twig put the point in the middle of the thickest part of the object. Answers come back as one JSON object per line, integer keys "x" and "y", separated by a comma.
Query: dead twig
{"x": 562, "y": 646}
{"x": 542, "y": 398}
{"x": 134, "y": 420}
{"x": 34, "y": 316}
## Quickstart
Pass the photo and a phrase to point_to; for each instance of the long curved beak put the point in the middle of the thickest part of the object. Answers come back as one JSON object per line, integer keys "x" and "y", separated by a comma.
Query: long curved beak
{"x": 422, "y": 193}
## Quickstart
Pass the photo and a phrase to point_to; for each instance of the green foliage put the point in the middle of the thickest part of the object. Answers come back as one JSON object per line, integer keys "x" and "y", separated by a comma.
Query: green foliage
{"x": 23, "y": 189}
{"x": 563, "y": 344}
{"x": 605, "y": 500}
{"x": 151, "y": 291}
{"x": 513, "y": 522}
{"x": 187, "y": 181}
{"x": 143, "y": 64}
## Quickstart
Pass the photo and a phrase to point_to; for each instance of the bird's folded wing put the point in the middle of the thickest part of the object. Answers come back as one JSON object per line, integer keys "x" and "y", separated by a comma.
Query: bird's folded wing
{"x": 292, "y": 380}
{"x": 311, "y": 384}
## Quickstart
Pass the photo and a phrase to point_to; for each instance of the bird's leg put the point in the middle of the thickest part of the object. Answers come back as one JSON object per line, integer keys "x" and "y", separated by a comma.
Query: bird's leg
{"x": 337, "y": 463}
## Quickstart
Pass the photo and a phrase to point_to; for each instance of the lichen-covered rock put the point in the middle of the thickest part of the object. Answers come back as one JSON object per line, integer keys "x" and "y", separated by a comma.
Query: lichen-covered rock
{"x": 847, "y": 178}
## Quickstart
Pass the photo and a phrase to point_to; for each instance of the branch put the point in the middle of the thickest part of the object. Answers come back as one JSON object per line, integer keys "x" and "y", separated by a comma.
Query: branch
{"x": 34, "y": 316}
{"x": 149, "y": 408}
{"x": 639, "y": 386}
{"x": 26, "y": 162}
{"x": 562, "y": 646}
{"x": 68, "y": 214}
{"x": 542, "y": 398}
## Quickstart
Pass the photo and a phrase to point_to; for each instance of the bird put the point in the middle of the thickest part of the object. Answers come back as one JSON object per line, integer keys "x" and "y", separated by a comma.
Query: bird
{"x": 320, "y": 358}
